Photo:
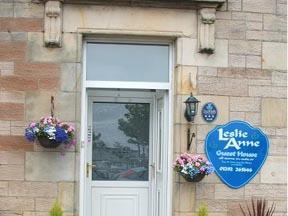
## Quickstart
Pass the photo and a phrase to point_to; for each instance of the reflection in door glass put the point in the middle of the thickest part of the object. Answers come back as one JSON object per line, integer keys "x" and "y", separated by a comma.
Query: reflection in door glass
{"x": 120, "y": 141}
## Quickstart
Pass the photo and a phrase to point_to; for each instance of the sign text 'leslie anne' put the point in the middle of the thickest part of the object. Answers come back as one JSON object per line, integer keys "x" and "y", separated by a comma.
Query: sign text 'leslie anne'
{"x": 232, "y": 138}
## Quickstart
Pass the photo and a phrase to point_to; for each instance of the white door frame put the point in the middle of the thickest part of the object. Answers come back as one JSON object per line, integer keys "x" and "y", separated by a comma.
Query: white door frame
{"x": 86, "y": 85}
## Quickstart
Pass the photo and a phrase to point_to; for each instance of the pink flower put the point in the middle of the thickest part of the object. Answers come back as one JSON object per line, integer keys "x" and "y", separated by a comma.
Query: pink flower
{"x": 70, "y": 129}
{"x": 197, "y": 164}
{"x": 32, "y": 124}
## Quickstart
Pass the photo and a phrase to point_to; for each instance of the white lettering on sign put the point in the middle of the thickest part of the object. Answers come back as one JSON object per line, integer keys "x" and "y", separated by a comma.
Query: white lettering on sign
{"x": 231, "y": 136}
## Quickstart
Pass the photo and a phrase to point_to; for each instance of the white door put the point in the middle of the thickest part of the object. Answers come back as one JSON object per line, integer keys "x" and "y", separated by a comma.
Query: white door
{"x": 160, "y": 156}
{"x": 125, "y": 154}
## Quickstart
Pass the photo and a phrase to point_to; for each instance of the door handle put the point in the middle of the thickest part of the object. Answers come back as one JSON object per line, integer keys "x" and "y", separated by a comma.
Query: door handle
{"x": 88, "y": 167}
{"x": 153, "y": 167}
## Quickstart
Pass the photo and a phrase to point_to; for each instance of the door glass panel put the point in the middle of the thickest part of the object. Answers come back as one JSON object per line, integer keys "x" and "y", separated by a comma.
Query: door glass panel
{"x": 120, "y": 141}
{"x": 127, "y": 62}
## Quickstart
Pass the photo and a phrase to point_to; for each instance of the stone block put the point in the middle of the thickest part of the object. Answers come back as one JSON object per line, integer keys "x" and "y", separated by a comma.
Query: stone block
{"x": 18, "y": 127}
{"x": 274, "y": 56}
{"x": 129, "y": 19}
{"x": 237, "y": 61}
{"x": 6, "y": 68}
{"x": 176, "y": 196}
{"x": 260, "y": 6}
{"x": 186, "y": 81}
{"x": 12, "y": 97}
{"x": 11, "y": 111}
{"x": 6, "y": 9}
{"x": 12, "y": 143}
{"x": 16, "y": 203}
{"x": 207, "y": 71}
{"x": 266, "y": 36}
{"x": 13, "y": 36}
{"x": 224, "y": 192}
{"x": 273, "y": 170}
{"x": 253, "y": 117}
{"x": 66, "y": 195}
{"x": 205, "y": 191}
{"x": 279, "y": 78}
{"x": 275, "y": 23}
{"x": 9, "y": 157}
{"x": 274, "y": 112}
{"x": 256, "y": 17}
{"x": 28, "y": 10}
{"x": 281, "y": 132}
{"x": 38, "y": 104}
{"x": 223, "y": 86}
{"x": 253, "y": 62}
{"x": 216, "y": 206}
{"x": 278, "y": 146}
{"x": 267, "y": 91}
{"x": 202, "y": 131}
{"x": 11, "y": 172}
{"x": 254, "y": 26}
{"x": 230, "y": 29}
{"x": 187, "y": 201}
{"x": 259, "y": 82}
{"x": 21, "y": 25}
{"x": 3, "y": 188}
{"x": 68, "y": 77}
{"x": 187, "y": 54}
{"x": 38, "y": 53}
{"x": 269, "y": 191}
{"x": 282, "y": 9}
{"x": 237, "y": 116}
{"x": 245, "y": 104}
{"x": 234, "y": 5}
{"x": 12, "y": 50}
{"x": 49, "y": 166}
{"x": 245, "y": 47}
{"x": 32, "y": 189}
{"x": 44, "y": 204}
{"x": 4, "y": 127}
{"x": 223, "y": 15}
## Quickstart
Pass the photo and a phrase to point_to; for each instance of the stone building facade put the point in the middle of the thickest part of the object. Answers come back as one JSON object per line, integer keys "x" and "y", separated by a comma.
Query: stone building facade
{"x": 245, "y": 77}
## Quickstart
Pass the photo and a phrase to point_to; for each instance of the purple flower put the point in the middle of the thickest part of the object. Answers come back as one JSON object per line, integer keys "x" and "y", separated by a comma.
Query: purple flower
{"x": 60, "y": 135}
{"x": 29, "y": 134}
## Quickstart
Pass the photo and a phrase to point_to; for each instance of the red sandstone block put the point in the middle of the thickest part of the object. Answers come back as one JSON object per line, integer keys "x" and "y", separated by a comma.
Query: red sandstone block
{"x": 49, "y": 83}
{"x": 15, "y": 143}
{"x": 21, "y": 25}
{"x": 12, "y": 51}
{"x": 39, "y": 70}
{"x": 11, "y": 111}
{"x": 18, "y": 83}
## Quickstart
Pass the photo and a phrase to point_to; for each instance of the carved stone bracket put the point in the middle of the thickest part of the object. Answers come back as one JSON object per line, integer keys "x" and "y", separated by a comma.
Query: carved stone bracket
{"x": 206, "y": 30}
{"x": 53, "y": 23}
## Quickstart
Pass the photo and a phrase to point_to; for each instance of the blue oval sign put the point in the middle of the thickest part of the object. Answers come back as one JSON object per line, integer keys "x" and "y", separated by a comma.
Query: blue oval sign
{"x": 209, "y": 112}
{"x": 237, "y": 151}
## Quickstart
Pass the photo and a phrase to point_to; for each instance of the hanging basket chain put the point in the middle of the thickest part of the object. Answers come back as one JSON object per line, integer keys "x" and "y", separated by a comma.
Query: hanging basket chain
{"x": 52, "y": 106}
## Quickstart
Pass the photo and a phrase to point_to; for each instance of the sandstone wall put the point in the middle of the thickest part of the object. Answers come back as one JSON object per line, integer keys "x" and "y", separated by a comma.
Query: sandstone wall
{"x": 245, "y": 78}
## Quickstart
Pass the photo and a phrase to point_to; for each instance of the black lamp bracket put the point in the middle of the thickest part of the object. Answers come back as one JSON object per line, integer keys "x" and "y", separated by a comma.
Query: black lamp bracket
{"x": 190, "y": 137}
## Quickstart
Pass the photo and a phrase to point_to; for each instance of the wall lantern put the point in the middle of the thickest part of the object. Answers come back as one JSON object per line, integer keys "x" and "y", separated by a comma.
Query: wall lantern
{"x": 190, "y": 113}
{"x": 191, "y": 108}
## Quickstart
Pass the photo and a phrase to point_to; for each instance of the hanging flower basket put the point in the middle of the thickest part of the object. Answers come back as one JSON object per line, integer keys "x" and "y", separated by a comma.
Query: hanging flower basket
{"x": 196, "y": 178}
{"x": 48, "y": 143}
{"x": 51, "y": 133}
{"x": 193, "y": 168}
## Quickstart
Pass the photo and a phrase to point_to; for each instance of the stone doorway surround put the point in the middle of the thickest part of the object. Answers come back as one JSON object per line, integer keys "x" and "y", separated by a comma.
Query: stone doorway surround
{"x": 69, "y": 24}
{"x": 206, "y": 17}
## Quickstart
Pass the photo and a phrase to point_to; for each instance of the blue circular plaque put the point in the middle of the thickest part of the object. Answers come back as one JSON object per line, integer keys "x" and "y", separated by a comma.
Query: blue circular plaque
{"x": 209, "y": 112}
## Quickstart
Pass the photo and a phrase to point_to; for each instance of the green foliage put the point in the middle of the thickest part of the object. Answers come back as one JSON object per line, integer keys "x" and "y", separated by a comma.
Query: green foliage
{"x": 56, "y": 210}
{"x": 202, "y": 211}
